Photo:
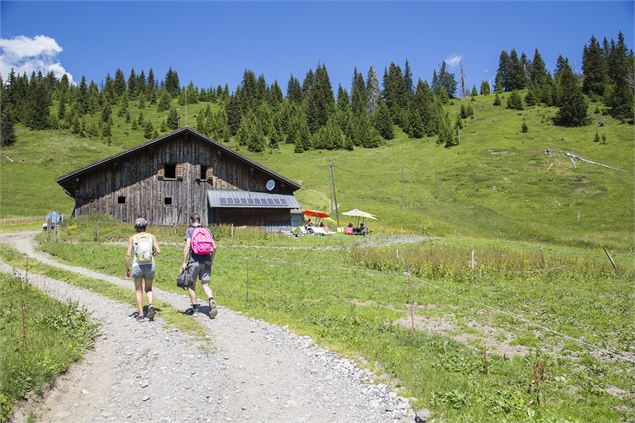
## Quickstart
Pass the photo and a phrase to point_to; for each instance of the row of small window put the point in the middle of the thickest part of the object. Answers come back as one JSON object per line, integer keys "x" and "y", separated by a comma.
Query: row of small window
{"x": 170, "y": 171}
{"x": 166, "y": 200}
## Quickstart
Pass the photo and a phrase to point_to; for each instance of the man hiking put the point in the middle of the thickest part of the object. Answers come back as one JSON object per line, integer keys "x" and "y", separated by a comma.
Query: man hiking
{"x": 198, "y": 254}
{"x": 143, "y": 246}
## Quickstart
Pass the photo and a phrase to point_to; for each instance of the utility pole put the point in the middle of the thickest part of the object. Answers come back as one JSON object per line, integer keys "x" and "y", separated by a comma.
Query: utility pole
{"x": 402, "y": 190}
{"x": 436, "y": 185}
{"x": 337, "y": 214}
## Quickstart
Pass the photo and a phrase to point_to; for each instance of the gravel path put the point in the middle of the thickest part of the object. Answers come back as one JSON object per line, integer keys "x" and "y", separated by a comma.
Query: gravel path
{"x": 254, "y": 371}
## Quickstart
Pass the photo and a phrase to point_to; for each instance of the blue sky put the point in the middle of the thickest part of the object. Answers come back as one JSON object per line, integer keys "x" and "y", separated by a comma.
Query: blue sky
{"x": 213, "y": 42}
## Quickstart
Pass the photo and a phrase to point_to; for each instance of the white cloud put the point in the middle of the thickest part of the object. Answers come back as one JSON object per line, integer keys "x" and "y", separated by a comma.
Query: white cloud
{"x": 454, "y": 60}
{"x": 31, "y": 54}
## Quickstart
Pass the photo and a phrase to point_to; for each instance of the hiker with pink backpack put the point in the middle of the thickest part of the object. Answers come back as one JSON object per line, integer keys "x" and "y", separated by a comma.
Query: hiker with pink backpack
{"x": 198, "y": 255}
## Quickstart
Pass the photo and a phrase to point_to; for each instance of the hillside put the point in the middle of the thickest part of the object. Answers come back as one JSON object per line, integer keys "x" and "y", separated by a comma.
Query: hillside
{"x": 498, "y": 182}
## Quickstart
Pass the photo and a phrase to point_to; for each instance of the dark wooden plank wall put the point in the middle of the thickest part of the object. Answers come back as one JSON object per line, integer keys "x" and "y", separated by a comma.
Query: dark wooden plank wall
{"x": 135, "y": 178}
{"x": 255, "y": 217}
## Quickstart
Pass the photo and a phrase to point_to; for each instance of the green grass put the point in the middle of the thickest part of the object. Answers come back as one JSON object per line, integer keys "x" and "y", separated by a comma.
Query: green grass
{"x": 498, "y": 183}
{"x": 335, "y": 298}
{"x": 39, "y": 338}
{"x": 169, "y": 314}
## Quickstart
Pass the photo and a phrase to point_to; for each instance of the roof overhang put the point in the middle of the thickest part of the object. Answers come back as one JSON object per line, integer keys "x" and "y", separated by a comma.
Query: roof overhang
{"x": 219, "y": 198}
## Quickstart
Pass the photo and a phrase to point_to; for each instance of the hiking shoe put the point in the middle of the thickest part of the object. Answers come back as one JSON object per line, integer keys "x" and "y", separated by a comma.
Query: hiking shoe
{"x": 194, "y": 310}
{"x": 140, "y": 318}
{"x": 151, "y": 312}
{"x": 213, "y": 309}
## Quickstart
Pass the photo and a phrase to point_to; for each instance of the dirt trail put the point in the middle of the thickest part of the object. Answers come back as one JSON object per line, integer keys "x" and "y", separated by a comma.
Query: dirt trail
{"x": 255, "y": 371}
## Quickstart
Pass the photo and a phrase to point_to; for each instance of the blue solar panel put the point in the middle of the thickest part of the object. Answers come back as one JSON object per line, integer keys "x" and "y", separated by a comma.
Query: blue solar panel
{"x": 270, "y": 201}
{"x": 243, "y": 201}
{"x": 250, "y": 201}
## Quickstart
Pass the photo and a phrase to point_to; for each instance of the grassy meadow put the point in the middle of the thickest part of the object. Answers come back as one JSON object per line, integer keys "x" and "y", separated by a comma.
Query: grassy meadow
{"x": 540, "y": 330}
{"x": 467, "y": 358}
{"x": 498, "y": 183}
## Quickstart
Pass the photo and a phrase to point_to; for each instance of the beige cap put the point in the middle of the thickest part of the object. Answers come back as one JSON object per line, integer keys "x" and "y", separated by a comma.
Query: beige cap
{"x": 140, "y": 223}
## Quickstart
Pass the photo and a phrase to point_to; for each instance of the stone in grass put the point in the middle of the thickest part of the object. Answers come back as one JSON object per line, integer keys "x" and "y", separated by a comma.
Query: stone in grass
{"x": 422, "y": 416}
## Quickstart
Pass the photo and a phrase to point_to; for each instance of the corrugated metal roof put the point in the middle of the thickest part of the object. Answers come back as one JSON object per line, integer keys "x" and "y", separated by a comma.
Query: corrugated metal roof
{"x": 250, "y": 199}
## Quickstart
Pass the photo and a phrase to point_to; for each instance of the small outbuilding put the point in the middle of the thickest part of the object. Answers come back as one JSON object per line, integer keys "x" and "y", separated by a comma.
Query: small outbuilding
{"x": 168, "y": 178}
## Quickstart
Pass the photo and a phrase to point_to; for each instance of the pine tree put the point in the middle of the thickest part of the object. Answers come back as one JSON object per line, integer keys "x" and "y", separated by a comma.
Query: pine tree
{"x": 275, "y": 95}
{"x": 134, "y": 125}
{"x": 447, "y": 81}
{"x": 517, "y": 76}
{"x": 132, "y": 84}
{"x": 173, "y": 119}
{"x": 93, "y": 131}
{"x": 119, "y": 84}
{"x": 593, "y": 68}
{"x": 395, "y": 94}
{"x": 6, "y": 124}
{"x": 234, "y": 114}
{"x": 148, "y": 130}
{"x": 106, "y": 110}
{"x": 302, "y": 138}
{"x": 123, "y": 105}
{"x": 83, "y": 96}
{"x": 307, "y": 84}
{"x": 61, "y": 110}
{"x": 164, "y": 102}
{"x": 463, "y": 113}
{"x": 140, "y": 120}
{"x": 164, "y": 126}
{"x": 359, "y": 97}
{"x": 603, "y": 138}
{"x": 485, "y": 88}
{"x": 383, "y": 122}
{"x": 503, "y": 72}
{"x": 407, "y": 79}
{"x": 597, "y": 137}
{"x": 321, "y": 102}
{"x": 445, "y": 136}
{"x": 474, "y": 91}
{"x": 524, "y": 128}
{"x": 424, "y": 103}
{"x": 171, "y": 83}
{"x": 538, "y": 74}
{"x": 106, "y": 129}
{"x": 294, "y": 90}
{"x": 514, "y": 101}
{"x": 365, "y": 134}
{"x": 620, "y": 93}
{"x": 372, "y": 90}
{"x": 531, "y": 99}
{"x": 497, "y": 100}
{"x": 415, "y": 127}
{"x": 343, "y": 101}
{"x": 38, "y": 105}
{"x": 573, "y": 105}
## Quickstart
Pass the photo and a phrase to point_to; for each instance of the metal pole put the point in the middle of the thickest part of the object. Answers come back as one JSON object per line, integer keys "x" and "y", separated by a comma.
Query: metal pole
{"x": 402, "y": 190}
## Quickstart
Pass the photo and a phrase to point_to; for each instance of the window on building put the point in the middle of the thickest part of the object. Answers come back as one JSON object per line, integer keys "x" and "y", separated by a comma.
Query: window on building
{"x": 170, "y": 171}
{"x": 167, "y": 201}
{"x": 121, "y": 200}
{"x": 203, "y": 174}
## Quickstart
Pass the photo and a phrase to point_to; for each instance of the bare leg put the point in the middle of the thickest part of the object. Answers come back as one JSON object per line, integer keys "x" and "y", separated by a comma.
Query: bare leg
{"x": 207, "y": 289}
{"x": 138, "y": 291}
{"x": 148, "y": 285}
{"x": 192, "y": 293}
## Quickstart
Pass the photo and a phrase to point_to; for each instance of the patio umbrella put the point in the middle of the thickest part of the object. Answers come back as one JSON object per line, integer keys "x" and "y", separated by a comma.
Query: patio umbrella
{"x": 315, "y": 213}
{"x": 359, "y": 213}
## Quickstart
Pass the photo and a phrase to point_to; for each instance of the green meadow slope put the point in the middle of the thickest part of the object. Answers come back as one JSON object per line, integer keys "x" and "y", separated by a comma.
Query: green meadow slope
{"x": 498, "y": 183}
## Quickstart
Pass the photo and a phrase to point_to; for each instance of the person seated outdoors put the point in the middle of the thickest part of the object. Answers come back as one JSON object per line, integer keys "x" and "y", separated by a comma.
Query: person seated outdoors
{"x": 324, "y": 227}
{"x": 349, "y": 229}
{"x": 309, "y": 226}
{"x": 363, "y": 230}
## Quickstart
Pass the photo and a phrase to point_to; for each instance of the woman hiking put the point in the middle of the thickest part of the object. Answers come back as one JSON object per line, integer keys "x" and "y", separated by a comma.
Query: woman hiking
{"x": 143, "y": 246}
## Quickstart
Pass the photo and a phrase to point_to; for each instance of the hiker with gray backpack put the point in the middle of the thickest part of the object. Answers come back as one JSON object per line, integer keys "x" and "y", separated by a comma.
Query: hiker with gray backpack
{"x": 198, "y": 254}
{"x": 143, "y": 247}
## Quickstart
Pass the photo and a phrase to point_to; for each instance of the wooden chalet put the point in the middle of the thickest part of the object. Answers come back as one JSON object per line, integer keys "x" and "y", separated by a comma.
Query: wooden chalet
{"x": 168, "y": 178}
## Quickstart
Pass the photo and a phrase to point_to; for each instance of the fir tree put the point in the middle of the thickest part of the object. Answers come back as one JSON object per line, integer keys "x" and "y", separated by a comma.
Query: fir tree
{"x": 517, "y": 77}
{"x": 415, "y": 127}
{"x": 119, "y": 84}
{"x": 275, "y": 94}
{"x": 474, "y": 91}
{"x": 364, "y": 134}
{"x": 123, "y": 105}
{"x": 106, "y": 129}
{"x": 140, "y": 120}
{"x": 593, "y": 68}
{"x": 524, "y": 128}
{"x": 343, "y": 101}
{"x": 234, "y": 114}
{"x": 106, "y": 110}
{"x": 424, "y": 103}
{"x": 164, "y": 126}
{"x": 6, "y": 124}
{"x": 597, "y": 137}
{"x": 171, "y": 83}
{"x": 573, "y": 105}
{"x": 497, "y": 100}
{"x": 307, "y": 84}
{"x": 407, "y": 79}
{"x": 61, "y": 110}
{"x": 485, "y": 88}
{"x": 359, "y": 97}
{"x": 294, "y": 90}
{"x": 93, "y": 131}
{"x": 445, "y": 136}
{"x": 531, "y": 99}
{"x": 134, "y": 125}
{"x": 38, "y": 105}
{"x": 132, "y": 84}
{"x": 82, "y": 95}
{"x": 173, "y": 119}
{"x": 372, "y": 90}
{"x": 321, "y": 102}
{"x": 148, "y": 130}
{"x": 383, "y": 122}
{"x": 503, "y": 72}
{"x": 603, "y": 138}
{"x": 164, "y": 102}
{"x": 514, "y": 101}
{"x": 620, "y": 94}
{"x": 538, "y": 74}
{"x": 447, "y": 81}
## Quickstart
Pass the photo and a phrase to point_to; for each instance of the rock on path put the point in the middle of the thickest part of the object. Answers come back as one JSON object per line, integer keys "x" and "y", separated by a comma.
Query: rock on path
{"x": 256, "y": 371}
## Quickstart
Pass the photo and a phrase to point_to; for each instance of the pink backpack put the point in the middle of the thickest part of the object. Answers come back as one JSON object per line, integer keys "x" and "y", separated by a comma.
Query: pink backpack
{"x": 202, "y": 242}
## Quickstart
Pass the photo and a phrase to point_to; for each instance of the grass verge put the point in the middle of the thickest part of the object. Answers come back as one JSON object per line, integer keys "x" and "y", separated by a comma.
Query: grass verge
{"x": 39, "y": 338}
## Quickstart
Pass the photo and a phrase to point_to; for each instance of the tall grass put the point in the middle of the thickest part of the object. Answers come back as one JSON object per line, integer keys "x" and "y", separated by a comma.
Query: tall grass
{"x": 39, "y": 338}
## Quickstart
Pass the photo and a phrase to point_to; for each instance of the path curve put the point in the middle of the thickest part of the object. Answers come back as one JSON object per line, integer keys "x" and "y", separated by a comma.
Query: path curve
{"x": 256, "y": 370}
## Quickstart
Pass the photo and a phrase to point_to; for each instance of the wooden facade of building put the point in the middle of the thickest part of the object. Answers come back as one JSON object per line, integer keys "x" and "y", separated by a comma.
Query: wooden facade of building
{"x": 167, "y": 179}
